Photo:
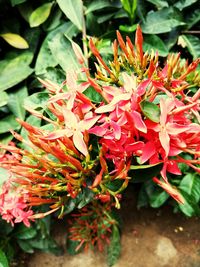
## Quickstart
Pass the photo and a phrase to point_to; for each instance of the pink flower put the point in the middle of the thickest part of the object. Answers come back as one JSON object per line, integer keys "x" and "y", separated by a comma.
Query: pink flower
{"x": 167, "y": 129}
{"x": 73, "y": 87}
{"x": 13, "y": 207}
{"x": 74, "y": 127}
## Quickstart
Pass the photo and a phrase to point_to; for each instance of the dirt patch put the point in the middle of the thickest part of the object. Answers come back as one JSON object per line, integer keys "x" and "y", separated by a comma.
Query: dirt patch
{"x": 150, "y": 238}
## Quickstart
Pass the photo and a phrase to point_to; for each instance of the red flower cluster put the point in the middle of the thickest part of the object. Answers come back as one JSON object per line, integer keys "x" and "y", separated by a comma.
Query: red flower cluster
{"x": 146, "y": 115}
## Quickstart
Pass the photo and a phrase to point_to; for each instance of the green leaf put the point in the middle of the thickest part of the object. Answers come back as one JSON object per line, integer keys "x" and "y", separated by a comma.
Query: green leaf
{"x": 15, "y": 70}
{"x": 127, "y": 28}
{"x": 159, "y": 3}
{"x": 161, "y": 21}
{"x": 56, "y": 75}
{"x": 17, "y": 2}
{"x": 143, "y": 173}
{"x": 40, "y": 15}
{"x": 73, "y": 9}
{"x": 150, "y": 110}
{"x": 71, "y": 247}
{"x": 15, "y": 40}
{"x": 3, "y": 259}
{"x": 193, "y": 18}
{"x": 158, "y": 198}
{"x": 86, "y": 197}
{"x": 8, "y": 123}
{"x": 130, "y": 7}
{"x": 191, "y": 185}
{"x": 25, "y": 246}
{"x": 184, "y": 3}
{"x": 104, "y": 18}
{"x": 114, "y": 185}
{"x": 190, "y": 207}
{"x": 93, "y": 95}
{"x": 114, "y": 249}
{"x": 23, "y": 232}
{"x": 45, "y": 58}
{"x": 153, "y": 42}
{"x": 62, "y": 51}
{"x": 96, "y": 5}
{"x": 143, "y": 199}
{"x": 37, "y": 100}
{"x": 3, "y": 99}
{"x": 54, "y": 21}
{"x": 192, "y": 44}
{"x": 25, "y": 10}
{"x": 16, "y": 102}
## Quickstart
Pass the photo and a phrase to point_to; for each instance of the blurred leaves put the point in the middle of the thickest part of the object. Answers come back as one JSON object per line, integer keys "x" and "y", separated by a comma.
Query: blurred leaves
{"x": 15, "y": 70}
{"x": 161, "y": 21}
{"x": 3, "y": 259}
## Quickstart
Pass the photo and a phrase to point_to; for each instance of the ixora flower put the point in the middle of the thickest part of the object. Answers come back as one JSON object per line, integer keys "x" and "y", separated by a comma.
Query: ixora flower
{"x": 135, "y": 114}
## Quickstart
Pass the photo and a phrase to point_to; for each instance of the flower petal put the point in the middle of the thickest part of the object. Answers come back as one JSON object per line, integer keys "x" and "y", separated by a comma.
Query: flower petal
{"x": 138, "y": 122}
{"x": 79, "y": 143}
{"x": 164, "y": 140}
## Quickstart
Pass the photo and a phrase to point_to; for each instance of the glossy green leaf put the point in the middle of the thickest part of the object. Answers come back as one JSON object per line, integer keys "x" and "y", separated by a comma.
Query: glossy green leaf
{"x": 153, "y": 42}
{"x": 181, "y": 4}
{"x": 193, "y": 18}
{"x": 87, "y": 196}
{"x": 40, "y": 15}
{"x": 15, "y": 40}
{"x": 93, "y": 95}
{"x": 56, "y": 75}
{"x": 16, "y": 102}
{"x": 159, "y": 3}
{"x": 150, "y": 110}
{"x": 114, "y": 249}
{"x": 114, "y": 185}
{"x": 45, "y": 59}
{"x": 158, "y": 198}
{"x": 3, "y": 259}
{"x": 161, "y": 21}
{"x": 106, "y": 17}
{"x": 191, "y": 185}
{"x": 142, "y": 173}
{"x": 61, "y": 49}
{"x": 25, "y": 233}
{"x": 8, "y": 123}
{"x": 25, "y": 245}
{"x": 13, "y": 71}
{"x": 130, "y": 7}
{"x": 54, "y": 21}
{"x": 17, "y": 2}
{"x": 190, "y": 207}
{"x": 192, "y": 44}
{"x": 97, "y": 5}
{"x": 73, "y": 9}
{"x": 3, "y": 99}
{"x": 127, "y": 28}
{"x": 37, "y": 100}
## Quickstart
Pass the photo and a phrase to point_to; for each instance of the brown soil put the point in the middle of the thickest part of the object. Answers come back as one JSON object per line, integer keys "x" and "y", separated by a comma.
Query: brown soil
{"x": 150, "y": 238}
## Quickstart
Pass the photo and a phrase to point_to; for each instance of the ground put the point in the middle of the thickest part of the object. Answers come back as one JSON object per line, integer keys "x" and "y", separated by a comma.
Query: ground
{"x": 150, "y": 238}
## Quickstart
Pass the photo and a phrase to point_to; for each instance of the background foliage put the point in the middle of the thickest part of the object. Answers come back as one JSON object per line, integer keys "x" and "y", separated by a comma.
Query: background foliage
{"x": 36, "y": 42}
